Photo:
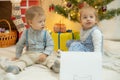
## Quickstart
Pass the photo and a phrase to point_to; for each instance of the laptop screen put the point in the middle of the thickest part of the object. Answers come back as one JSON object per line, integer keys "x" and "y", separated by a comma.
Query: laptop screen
{"x": 81, "y": 66}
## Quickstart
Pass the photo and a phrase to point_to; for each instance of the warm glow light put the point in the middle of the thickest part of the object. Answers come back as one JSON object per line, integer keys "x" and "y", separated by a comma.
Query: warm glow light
{"x": 56, "y": 12}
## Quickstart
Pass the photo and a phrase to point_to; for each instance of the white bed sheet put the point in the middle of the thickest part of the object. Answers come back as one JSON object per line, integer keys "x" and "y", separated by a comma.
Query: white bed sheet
{"x": 111, "y": 56}
{"x": 111, "y": 60}
{"x": 39, "y": 72}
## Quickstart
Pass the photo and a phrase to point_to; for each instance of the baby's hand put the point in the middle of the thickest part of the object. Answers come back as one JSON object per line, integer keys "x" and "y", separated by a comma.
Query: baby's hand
{"x": 42, "y": 57}
{"x": 13, "y": 59}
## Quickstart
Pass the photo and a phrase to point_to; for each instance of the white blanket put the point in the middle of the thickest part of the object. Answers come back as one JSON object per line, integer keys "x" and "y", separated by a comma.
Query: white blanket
{"x": 35, "y": 72}
{"x": 111, "y": 56}
{"x": 111, "y": 64}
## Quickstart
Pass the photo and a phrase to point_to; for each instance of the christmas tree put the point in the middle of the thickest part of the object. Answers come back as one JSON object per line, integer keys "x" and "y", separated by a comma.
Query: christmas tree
{"x": 70, "y": 8}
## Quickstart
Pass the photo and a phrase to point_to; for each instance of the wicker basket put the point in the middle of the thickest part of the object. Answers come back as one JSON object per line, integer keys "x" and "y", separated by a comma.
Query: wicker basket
{"x": 7, "y": 38}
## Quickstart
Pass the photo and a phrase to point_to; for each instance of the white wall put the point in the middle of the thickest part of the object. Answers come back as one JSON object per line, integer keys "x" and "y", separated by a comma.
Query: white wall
{"x": 111, "y": 28}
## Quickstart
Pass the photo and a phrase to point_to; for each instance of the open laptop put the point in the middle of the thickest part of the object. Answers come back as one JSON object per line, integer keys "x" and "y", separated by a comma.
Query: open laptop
{"x": 81, "y": 66}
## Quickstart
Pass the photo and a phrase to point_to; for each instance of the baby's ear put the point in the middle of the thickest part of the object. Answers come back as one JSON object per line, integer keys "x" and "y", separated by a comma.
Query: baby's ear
{"x": 79, "y": 21}
{"x": 15, "y": 1}
{"x": 96, "y": 21}
{"x": 29, "y": 22}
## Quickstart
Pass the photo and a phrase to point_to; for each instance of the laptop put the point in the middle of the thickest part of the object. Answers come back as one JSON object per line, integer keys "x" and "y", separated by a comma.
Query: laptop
{"x": 81, "y": 66}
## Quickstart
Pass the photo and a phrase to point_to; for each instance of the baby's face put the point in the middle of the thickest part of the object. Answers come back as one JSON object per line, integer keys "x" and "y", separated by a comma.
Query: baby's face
{"x": 88, "y": 19}
{"x": 38, "y": 22}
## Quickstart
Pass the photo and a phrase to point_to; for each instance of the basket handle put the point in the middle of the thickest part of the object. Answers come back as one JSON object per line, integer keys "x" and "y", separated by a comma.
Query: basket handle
{"x": 7, "y": 23}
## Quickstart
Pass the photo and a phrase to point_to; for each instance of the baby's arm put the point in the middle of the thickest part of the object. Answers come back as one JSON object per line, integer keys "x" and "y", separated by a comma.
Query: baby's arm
{"x": 49, "y": 44}
{"x": 97, "y": 41}
{"x": 20, "y": 45}
{"x": 48, "y": 49}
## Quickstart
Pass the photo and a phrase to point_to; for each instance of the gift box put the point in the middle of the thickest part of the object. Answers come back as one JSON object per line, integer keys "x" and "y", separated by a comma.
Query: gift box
{"x": 60, "y": 40}
{"x": 58, "y": 27}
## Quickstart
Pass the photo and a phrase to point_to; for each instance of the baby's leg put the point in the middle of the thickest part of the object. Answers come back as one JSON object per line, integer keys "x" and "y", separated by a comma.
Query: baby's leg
{"x": 53, "y": 62}
{"x": 68, "y": 43}
{"x": 77, "y": 46}
{"x": 25, "y": 60}
{"x": 56, "y": 66}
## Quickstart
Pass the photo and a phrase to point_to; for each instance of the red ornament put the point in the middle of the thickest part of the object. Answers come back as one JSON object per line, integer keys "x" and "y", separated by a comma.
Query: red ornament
{"x": 69, "y": 4}
{"x": 13, "y": 18}
{"x": 51, "y": 7}
{"x": 81, "y": 5}
{"x": 104, "y": 8}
